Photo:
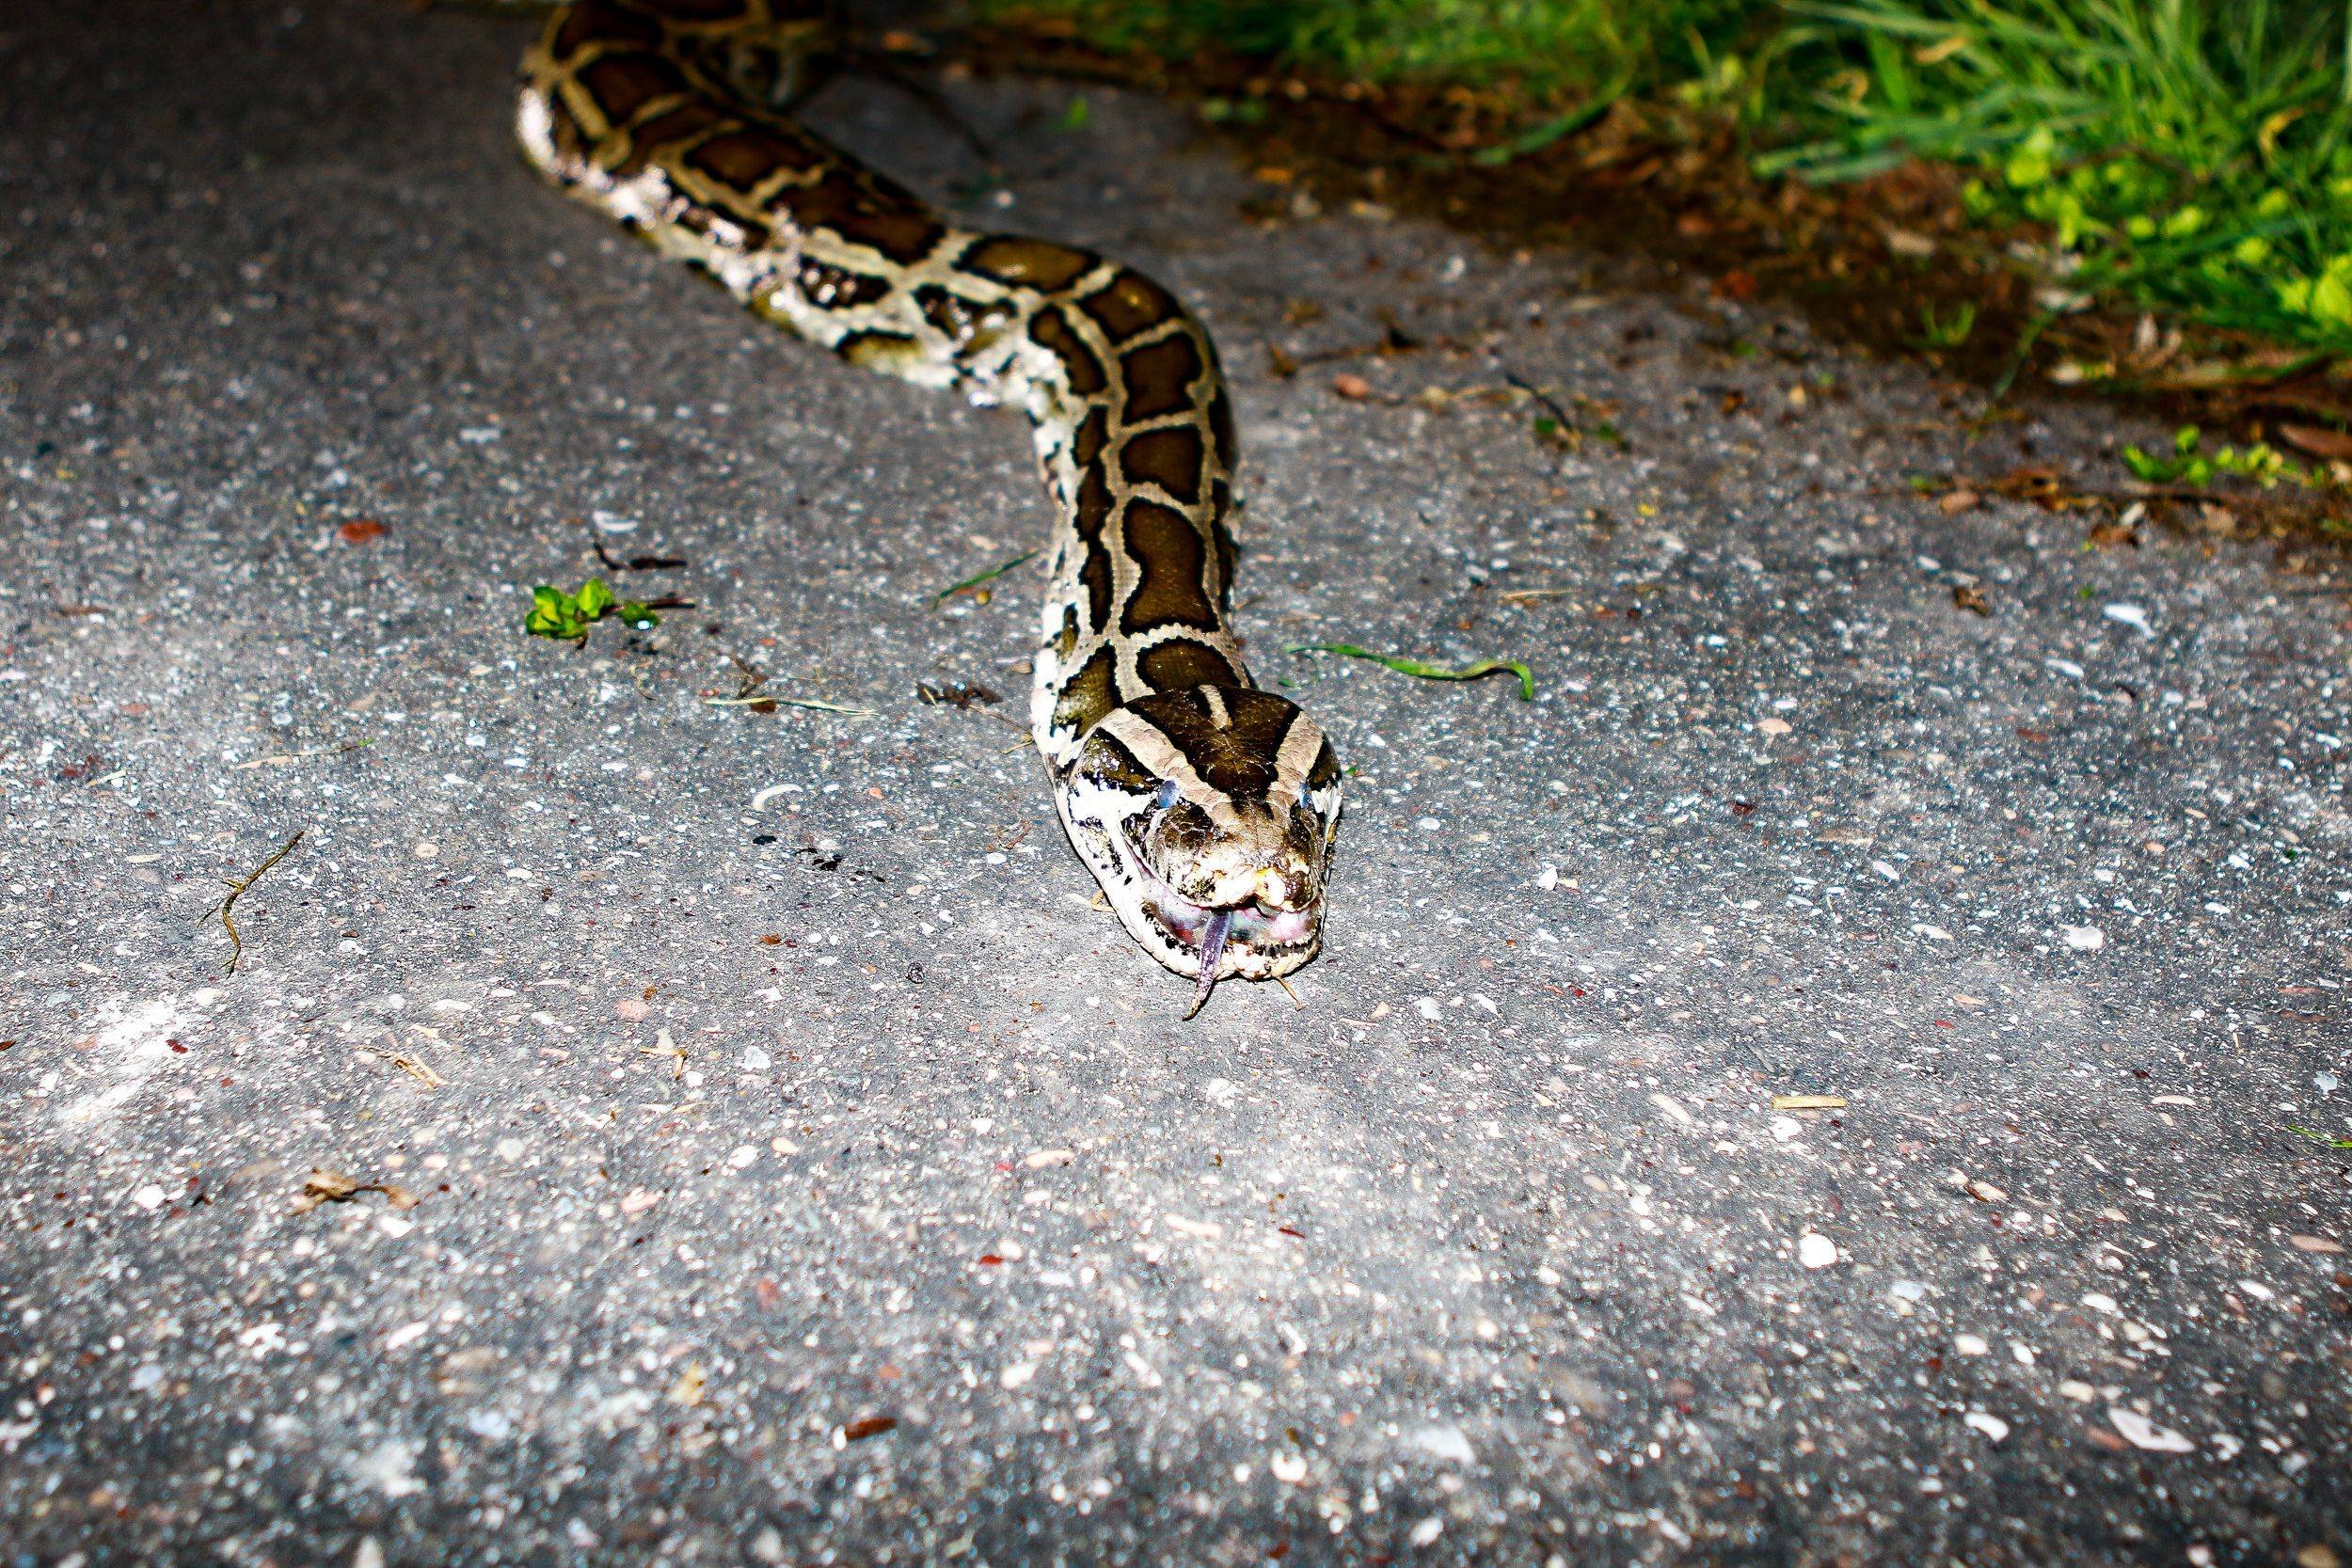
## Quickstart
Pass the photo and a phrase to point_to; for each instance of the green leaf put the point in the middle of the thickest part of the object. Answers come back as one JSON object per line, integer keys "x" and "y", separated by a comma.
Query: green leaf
{"x": 593, "y": 598}
{"x": 2321, "y": 1138}
{"x": 1428, "y": 672}
{"x": 636, "y": 616}
{"x": 1075, "y": 117}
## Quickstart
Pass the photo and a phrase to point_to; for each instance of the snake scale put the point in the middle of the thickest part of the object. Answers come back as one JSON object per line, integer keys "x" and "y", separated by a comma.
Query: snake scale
{"x": 1205, "y": 807}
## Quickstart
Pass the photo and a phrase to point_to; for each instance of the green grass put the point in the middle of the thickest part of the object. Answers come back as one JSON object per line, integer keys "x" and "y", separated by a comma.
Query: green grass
{"x": 1549, "y": 47}
{"x": 2190, "y": 157}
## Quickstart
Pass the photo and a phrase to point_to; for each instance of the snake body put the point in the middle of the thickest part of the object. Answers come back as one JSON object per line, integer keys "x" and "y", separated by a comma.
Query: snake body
{"x": 1205, "y": 807}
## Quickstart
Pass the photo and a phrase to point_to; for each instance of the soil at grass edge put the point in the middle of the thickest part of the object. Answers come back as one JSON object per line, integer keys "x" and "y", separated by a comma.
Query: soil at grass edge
{"x": 1892, "y": 264}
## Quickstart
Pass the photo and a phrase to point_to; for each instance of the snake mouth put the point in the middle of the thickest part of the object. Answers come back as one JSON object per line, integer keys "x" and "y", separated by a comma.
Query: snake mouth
{"x": 1254, "y": 934}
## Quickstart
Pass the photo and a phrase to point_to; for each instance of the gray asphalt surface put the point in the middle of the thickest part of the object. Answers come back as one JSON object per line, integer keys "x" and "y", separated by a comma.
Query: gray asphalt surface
{"x": 766, "y": 1155}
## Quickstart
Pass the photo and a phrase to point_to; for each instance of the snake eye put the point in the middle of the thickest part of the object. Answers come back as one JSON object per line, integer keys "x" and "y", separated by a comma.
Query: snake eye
{"x": 1167, "y": 797}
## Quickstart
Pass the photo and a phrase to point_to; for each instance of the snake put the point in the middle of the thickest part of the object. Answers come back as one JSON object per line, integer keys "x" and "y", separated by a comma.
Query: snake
{"x": 1205, "y": 806}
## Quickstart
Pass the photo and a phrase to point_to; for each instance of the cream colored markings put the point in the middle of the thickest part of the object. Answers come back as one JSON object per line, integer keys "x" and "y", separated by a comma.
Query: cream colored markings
{"x": 1291, "y": 763}
{"x": 1163, "y": 758}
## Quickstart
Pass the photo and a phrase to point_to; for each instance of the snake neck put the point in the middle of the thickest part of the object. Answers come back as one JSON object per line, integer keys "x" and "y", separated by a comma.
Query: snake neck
{"x": 658, "y": 113}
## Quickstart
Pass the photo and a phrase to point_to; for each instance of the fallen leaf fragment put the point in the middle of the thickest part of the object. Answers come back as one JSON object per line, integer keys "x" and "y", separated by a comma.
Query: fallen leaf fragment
{"x": 688, "y": 1389}
{"x": 328, "y": 1186}
{"x": 1354, "y": 388}
{"x": 361, "y": 529}
{"x": 1968, "y": 597}
{"x": 869, "y": 1426}
{"x": 2142, "y": 1433}
{"x": 2318, "y": 440}
{"x": 1808, "y": 1103}
{"x": 2314, "y": 1243}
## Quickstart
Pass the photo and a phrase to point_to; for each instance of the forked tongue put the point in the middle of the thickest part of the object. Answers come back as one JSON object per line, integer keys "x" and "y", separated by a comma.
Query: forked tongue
{"x": 1212, "y": 952}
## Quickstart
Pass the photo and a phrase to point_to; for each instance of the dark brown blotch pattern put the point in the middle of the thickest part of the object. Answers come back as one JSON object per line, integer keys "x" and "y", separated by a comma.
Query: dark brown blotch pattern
{"x": 1168, "y": 458}
{"x": 622, "y": 85}
{"x": 1182, "y": 664}
{"x": 1160, "y": 376}
{"x": 1127, "y": 304}
{"x": 1167, "y": 550}
{"x": 1089, "y": 694}
{"x": 1037, "y": 264}
{"x": 1081, "y": 370}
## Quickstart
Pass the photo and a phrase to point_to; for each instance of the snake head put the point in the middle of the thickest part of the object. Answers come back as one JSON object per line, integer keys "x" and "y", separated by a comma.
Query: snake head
{"x": 1208, "y": 816}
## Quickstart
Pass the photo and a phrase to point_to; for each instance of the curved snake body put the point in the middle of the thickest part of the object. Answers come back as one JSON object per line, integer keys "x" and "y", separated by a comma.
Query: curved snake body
{"x": 1205, "y": 807}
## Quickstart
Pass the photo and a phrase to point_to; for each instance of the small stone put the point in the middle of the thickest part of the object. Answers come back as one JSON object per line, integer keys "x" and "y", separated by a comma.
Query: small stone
{"x": 1426, "y": 1531}
{"x": 1816, "y": 1251}
{"x": 2142, "y": 1433}
{"x": 150, "y": 1197}
{"x": 1991, "y": 1426}
{"x": 1970, "y": 1345}
{"x": 2083, "y": 939}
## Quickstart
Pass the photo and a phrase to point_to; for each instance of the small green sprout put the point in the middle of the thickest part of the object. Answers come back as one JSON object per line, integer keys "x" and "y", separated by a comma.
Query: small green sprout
{"x": 566, "y": 617}
{"x": 1939, "y": 330}
{"x": 2189, "y": 465}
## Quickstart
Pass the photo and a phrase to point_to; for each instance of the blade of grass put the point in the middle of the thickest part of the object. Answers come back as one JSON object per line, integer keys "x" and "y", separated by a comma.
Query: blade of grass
{"x": 977, "y": 579}
{"x": 1422, "y": 670}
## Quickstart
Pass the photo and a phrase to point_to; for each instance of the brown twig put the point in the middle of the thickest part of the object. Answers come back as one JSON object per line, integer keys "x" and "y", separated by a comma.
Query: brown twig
{"x": 237, "y": 887}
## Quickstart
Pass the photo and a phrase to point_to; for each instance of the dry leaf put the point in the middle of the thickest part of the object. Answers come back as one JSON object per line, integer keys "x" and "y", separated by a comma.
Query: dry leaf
{"x": 1956, "y": 500}
{"x": 1971, "y": 598}
{"x": 869, "y": 1426}
{"x": 2334, "y": 445}
{"x": 688, "y": 1389}
{"x": 326, "y": 1186}
{"x": 2314, "y": 1243}
{"x": 1808, "y": 1103}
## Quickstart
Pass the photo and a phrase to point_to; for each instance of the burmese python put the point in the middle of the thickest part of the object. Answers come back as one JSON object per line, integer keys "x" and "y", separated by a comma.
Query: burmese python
{"x": 1205, "y": 807}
